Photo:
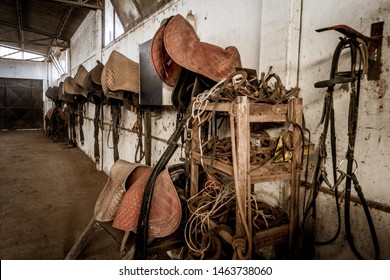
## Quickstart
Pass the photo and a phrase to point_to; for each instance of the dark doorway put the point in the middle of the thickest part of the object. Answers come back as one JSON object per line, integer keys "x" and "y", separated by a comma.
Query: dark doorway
{"x": 21, "y": 103}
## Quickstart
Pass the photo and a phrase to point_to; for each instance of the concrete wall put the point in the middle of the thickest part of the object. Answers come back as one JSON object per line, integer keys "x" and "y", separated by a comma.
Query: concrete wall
{"x": 278, "y": 33}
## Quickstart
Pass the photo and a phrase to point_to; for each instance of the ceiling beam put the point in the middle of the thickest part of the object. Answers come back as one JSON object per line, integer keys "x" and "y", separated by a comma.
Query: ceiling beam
{"x": 60, "y": 27}
{"x": 82, "y": 4}
{"x": 20, "y": 23}
{"x": 27, "y": 29}
{"x": 60, "y": 45}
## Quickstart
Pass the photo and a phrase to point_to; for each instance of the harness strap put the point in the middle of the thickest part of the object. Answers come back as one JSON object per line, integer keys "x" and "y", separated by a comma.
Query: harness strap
{"x": 115, "y": 113}
{"x": 96, "y": 121}
{"x": 80, "y": 108}
{"x": 139, "y": 151}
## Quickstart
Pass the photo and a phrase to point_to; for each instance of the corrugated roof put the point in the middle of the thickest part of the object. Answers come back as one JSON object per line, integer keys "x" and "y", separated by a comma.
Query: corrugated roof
{"x": 39, "y": 25}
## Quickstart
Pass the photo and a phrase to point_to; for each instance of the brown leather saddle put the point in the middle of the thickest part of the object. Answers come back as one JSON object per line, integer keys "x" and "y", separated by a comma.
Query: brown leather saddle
{"x": 178, "y": 55}
{"x": 53, "y": 93}
{"x": 121, "y": 199}
{"x": 120, "y": 80}
{"x": 165, "y": 209}
{"x": 63, "y": 95}
{"x": 121, "y": 174}
{"x": 92, "y": 84}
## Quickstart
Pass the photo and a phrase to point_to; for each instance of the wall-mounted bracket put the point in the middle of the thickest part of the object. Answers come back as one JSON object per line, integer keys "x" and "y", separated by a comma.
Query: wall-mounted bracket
{"x": 375, "y": 51}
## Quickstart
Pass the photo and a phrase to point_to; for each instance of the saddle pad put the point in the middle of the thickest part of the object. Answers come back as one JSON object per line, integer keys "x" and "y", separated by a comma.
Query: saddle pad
{"x": 110, "y": 197}
{"x": 165, "y": 211}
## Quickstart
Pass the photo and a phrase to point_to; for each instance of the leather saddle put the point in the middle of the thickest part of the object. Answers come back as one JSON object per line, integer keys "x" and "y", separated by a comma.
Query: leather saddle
{"x": 92, "y": 84}
{"x": 64, "y": 96}
{"x": 176, "y": 46}
{"x": 121, "y": 174}
{"x": 165, "y": 211}
{"x": 120, "y": 80}
{"x": 52, "y": 93}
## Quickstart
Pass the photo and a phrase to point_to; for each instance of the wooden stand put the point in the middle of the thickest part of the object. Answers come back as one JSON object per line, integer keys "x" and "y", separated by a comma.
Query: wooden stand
{"x": 241, "y": 114}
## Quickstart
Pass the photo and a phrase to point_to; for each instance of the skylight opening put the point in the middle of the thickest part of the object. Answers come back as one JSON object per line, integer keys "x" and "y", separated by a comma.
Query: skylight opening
{"x": 10, "y": 53}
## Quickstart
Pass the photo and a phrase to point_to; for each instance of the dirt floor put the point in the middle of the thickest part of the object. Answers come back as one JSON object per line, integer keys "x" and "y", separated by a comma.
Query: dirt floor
{"x": 47, "y": 196}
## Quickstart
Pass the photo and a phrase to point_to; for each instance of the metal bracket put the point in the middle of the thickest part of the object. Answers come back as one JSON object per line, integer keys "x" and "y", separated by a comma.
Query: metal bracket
{"x": 375, "y": 51}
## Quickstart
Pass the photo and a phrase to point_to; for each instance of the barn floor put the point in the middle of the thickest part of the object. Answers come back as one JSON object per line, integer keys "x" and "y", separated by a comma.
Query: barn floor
{"x": 47, "y": 196}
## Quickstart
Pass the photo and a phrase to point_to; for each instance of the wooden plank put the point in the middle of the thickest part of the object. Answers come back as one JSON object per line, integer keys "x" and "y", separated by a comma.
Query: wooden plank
{"x": 272, "y": 177}
{"x": 267, "y": 118}
{"x": 219, "y": 107}
{"x": 272, "y": 236}
{"x": 82, "y": 240}
{"x": 267, "y": 109}
{"x": 260, "y": 112}
{"x": 219, "y": 166}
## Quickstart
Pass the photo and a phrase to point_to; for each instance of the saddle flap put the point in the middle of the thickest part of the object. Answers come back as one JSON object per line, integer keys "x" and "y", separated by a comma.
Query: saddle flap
{"x": 165, "y": 211}
{"x": 167, "y": 69}
{"x": 110, "y": 197}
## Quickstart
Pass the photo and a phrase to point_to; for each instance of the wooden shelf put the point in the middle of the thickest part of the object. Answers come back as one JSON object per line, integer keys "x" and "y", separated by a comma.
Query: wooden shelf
{"x": 264, "y": 173}
{"x": 241, "y": 114}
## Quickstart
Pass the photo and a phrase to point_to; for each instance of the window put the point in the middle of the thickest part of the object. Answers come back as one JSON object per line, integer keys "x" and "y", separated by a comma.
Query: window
{"x": 113, "y": 28}
{"x": 121, "y": 16}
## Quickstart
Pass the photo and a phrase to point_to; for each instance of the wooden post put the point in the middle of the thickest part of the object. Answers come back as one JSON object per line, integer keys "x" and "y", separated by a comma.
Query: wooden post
{"x": 194, "y": 165}
{"x": 82, "y": 241}
{"x": 241, "y": 156}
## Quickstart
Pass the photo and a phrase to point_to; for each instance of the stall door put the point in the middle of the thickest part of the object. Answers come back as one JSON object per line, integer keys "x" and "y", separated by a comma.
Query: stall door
{"x": 21, "y": 103}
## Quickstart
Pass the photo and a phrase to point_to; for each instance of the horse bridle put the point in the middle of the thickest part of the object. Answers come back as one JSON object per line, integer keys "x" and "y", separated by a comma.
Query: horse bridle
{"x": 356, "y": 45}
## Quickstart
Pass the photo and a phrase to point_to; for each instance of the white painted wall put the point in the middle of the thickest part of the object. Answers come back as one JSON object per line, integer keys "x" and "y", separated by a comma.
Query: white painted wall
{"x": 86, "y": 49}
{"x": 280, "y": 33}
{"x": 313, "y": 51}
{"x": 12, "y": 68}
